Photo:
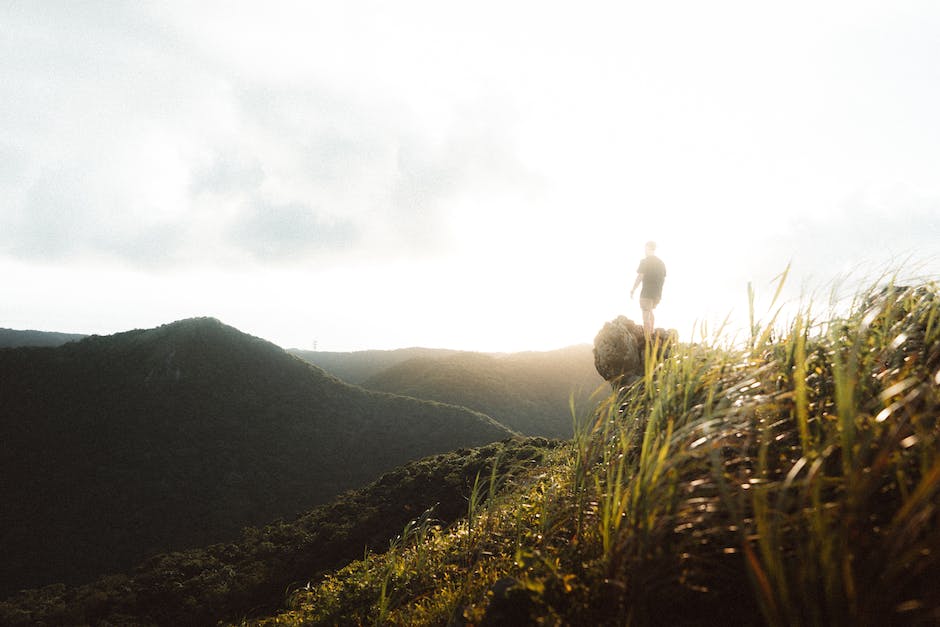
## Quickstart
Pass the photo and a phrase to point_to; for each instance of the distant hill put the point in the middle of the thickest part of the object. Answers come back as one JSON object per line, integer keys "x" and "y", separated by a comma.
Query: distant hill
{"x": 528, "y": 392}
{"x": 10, "y": 338}
{"x": 358, "y": 366}
{"x": 113, "y": 448}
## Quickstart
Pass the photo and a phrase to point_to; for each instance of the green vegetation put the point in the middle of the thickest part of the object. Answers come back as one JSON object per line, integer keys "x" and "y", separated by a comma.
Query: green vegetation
{"x": 794, "y": 481}
{"x": 115, "y": 448}
{"x": 202, "y": 586}
{"x": 528, "y": 392}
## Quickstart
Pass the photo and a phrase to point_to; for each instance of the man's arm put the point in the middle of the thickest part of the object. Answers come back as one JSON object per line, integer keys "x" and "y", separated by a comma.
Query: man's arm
{"x": 636, "y": 284}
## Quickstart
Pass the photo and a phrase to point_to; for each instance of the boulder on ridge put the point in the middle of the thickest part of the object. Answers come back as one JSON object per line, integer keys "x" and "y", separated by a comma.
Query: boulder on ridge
{"x": 620, "y": 347}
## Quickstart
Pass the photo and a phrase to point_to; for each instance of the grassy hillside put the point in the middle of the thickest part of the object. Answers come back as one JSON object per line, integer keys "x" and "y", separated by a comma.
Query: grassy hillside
{"x": 529, "y": 392}
{"x": 202, "y": 586}
{"x": 11, "y": 338}
{"x": 114, "y": 448}
{"x": 358, "y": 366}
{"x": 795, "y": 481}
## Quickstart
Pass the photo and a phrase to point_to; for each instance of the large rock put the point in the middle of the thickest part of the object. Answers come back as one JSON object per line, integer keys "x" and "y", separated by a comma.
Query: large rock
{"x": 619, "y": 350}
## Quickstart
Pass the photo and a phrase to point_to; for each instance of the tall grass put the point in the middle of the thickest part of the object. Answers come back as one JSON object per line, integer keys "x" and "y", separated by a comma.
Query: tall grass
{"x": 793, "y": 479}
{"x": 414, "y": 536}
{"x": 803, "y": 466}
{"x": 480, "y": 492}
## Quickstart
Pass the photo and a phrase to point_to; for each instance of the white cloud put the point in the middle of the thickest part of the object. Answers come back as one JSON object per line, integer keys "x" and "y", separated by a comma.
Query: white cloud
{"x": 144, "y": 145}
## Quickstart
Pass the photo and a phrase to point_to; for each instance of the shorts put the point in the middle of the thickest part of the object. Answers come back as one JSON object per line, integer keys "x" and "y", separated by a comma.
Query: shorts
{"x": 648, "y": 304}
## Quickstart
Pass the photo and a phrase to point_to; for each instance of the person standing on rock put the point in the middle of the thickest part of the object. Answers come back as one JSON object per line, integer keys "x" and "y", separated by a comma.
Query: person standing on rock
{"x": 651, "y": 273}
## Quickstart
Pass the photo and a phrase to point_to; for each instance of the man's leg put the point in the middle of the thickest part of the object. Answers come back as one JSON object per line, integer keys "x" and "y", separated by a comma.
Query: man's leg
{"x": 646, "y": 306}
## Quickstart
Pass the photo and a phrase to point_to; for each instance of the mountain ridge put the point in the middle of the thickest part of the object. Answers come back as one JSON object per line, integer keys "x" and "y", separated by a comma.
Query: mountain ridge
{"x": 357, "y": 366}
{"x": 532, "y": 392}
{"x": 15, "y": 338}
{"x": 194, "y": 419}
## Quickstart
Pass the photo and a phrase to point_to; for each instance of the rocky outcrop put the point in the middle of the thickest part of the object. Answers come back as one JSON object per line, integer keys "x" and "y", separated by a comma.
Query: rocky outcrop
{"x": 619, "y": 350}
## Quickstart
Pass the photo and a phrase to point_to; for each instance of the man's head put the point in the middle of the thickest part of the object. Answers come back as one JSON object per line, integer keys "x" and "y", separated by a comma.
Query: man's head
{"x": 650, "y": 248}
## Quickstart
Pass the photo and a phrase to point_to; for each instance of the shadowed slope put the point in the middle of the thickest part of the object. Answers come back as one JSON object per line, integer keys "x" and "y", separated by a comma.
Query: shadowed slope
{"x": 202, "y": 586}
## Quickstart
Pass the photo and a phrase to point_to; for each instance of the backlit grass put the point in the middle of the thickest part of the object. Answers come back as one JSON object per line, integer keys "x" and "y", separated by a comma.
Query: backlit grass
{"x": 792, "y": 480}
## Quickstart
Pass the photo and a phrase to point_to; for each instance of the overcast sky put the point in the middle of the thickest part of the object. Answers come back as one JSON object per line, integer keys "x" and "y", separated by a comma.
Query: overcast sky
{"x": 453, "y": 174}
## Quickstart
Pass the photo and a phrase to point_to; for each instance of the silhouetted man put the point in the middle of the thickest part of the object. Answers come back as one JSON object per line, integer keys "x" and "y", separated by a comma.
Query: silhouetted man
{"x": 651, "y": 273}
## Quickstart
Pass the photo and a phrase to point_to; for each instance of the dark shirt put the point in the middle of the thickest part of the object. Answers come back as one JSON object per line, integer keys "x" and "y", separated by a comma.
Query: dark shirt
{"x": 654, "y": 273}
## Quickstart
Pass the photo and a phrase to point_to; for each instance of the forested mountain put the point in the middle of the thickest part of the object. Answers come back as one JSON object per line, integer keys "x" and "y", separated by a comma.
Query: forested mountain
{"x": 10, "y": 338}
{"x": 113, "y": 448}
{"x": 358, "y": 366}
{"x": 528, "y": 392}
